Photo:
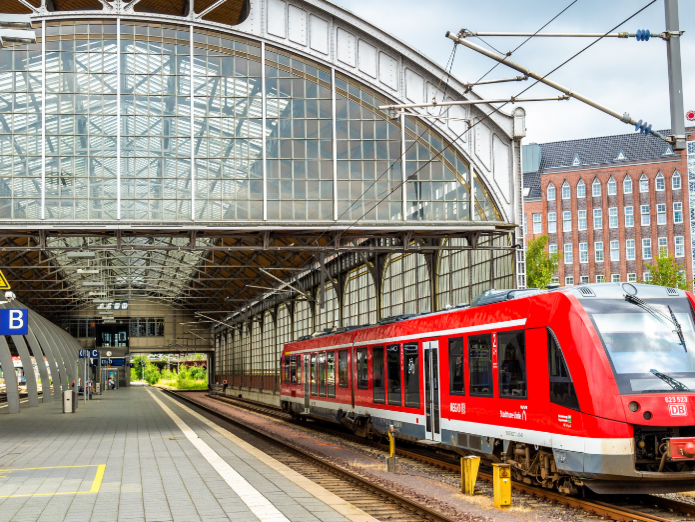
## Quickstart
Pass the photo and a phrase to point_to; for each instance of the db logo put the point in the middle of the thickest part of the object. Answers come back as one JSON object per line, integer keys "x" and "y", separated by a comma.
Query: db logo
{"x": 678, "y": 410}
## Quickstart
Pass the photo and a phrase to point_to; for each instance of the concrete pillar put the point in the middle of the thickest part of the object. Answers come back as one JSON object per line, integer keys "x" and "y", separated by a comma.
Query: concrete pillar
{"x": 10, "y": 377}
{"x": 43, "y": 370}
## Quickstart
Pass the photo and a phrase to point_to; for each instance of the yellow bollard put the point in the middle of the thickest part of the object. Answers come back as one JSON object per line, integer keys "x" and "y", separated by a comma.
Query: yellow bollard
{"x": 469, "y": 474}
{"x": 392, "y": 460}
{"x": 502, "y": 485}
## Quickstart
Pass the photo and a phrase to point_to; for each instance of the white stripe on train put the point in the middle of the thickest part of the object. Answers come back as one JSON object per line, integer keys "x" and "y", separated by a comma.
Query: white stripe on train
{"x": 594, "y": 446}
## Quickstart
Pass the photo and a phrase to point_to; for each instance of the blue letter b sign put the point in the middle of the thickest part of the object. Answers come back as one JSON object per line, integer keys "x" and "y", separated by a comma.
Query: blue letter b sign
{"x": 13, "y": 321}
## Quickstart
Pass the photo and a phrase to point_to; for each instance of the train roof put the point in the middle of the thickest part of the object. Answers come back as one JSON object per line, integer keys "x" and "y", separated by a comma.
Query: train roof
{"x": 386, "y": 328}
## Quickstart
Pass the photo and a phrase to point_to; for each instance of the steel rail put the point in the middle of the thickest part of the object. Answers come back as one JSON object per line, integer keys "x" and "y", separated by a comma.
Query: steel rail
{"x": 409, "y": 504}
{"x": 597, "y": 507}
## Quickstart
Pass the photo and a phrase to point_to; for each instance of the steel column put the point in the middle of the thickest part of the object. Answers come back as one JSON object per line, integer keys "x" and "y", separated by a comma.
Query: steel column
{"x": 10, "y": 377}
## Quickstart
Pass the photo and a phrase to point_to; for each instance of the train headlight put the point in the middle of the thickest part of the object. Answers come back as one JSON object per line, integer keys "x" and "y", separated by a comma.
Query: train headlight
{"x": 647, "y": 415}
{"x": 633, "y": 407}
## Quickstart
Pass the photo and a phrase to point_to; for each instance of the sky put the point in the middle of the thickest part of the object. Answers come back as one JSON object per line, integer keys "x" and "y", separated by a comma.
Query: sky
{"x": 623, "y": 74}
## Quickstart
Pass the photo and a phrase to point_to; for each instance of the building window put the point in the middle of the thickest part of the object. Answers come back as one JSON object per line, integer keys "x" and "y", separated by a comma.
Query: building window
{"x": 551, "y": 192}
{"x": 627, "y": 185}
{"x": 678, "y": 213}
{"x": 581, "y": 189}
{"x": 598, "y": 218}
{"x": 663, "y": 245}
{"x": 676, "y": 181}
{"x": 600, "y": 279}
{"x": 569, "y": 281}
{"x": 552, "y": 249}
{"x": 613, "y": 217}
{"x": 646, "y": 249}
{"x": 630, "y": 249}
{"x": 612, "y": 187}
{"x": 584, "y": 280}
{"x": 644, "y": 209}
{"x": 632, "y": 278}
{"x": 581, "y": 220}
{"x": 629, "y": 217}
{"x": 615, "y": 250}
{"x": 525, "y": 231}
{"x": 660, "y": 182}
{"x": 598, "y": 251}
{"x": 615, "y": 278}
{"x": 537, "y": 224}
{"x": 644, "y": 183}
{"x": 553, "y": 279}
{"x": 566, "y": 190}
{"x": 567, "y": 221}
{"x": 647, "y": 276}
{"x": 583, "y": 252}
{"x": 661, "y": 214}
{"x": 552, "y": 222}
{"x": 680, "y": 246}
{"x": 568, "y": 254}
{"x": 596, "y": 188}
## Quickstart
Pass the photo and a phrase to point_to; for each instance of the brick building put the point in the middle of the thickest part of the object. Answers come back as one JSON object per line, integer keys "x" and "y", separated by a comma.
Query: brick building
{"x": 609, "y": 204}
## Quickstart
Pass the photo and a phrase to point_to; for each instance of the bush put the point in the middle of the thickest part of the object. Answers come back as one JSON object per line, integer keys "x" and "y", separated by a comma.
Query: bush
{"x": 152, "y": 374}
{"x": 198, "y": 373}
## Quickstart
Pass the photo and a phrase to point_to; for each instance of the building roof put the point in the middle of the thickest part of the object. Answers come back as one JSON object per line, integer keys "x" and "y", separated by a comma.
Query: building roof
{"x": 590, "y": 152}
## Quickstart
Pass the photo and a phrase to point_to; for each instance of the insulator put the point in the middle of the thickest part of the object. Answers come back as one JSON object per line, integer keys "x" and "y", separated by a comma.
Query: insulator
{"x": 643, "y": 35}
{"x": 643, "y": 127}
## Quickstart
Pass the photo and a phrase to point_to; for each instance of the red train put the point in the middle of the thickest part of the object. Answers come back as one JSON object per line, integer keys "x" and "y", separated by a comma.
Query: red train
{"x": 585, "y": 386}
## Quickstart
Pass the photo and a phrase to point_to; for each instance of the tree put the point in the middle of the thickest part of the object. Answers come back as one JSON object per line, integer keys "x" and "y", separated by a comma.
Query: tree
{"x": 666, "y": 271}
{"x": 540, "y": 264}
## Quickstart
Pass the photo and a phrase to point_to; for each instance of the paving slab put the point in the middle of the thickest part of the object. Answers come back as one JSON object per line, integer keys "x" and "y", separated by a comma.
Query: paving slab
{"x": 135, "y": 454}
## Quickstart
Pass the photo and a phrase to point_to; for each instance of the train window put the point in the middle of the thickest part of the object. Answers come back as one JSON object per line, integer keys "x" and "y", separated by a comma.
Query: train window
{"x": 412, "y": 375}
{"x": 299, "y": 369}
{"x": 457, "y": 379}
{"x": 314, "y": 377}
{"x": 322, "y": 374}
{"x": 393, "y": 372}
{"x": 378, "y": 374}
{"x": 342, "y": 369}
{"x": 511, "y": 354}
{"x": 480, "y": 365}
{"x": 562, "y": 390}
{"x": 362, "y": 372}
{"x": 286, "y": 370}
{"x": 330, "y": 374}
{"x": 293, "y": 369}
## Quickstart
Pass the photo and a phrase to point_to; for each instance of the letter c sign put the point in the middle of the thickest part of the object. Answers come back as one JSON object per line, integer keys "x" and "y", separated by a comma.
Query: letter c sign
{"x": 13, "y": 321}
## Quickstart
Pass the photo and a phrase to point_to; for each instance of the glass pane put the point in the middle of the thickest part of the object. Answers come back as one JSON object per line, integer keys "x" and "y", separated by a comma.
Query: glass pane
{"x": 480, "y": 365}
{"x": 378, "y": 374}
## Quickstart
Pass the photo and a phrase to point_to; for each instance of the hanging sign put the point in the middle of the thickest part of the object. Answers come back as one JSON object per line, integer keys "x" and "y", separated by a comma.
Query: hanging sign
{"x": 13, "y": 321}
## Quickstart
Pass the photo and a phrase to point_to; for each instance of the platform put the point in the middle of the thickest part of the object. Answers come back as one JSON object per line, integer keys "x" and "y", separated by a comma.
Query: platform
{"x": 134, "y": 454}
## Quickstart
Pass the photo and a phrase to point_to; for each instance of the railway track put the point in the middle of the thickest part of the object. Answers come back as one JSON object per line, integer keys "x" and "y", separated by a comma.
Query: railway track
{"x": 641, "y": 508}
{"x": 371, "y": 498}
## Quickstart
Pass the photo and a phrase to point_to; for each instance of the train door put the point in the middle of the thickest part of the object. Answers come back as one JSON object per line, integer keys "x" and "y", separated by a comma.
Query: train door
{"x": 431, "y": 379}
{"x": 307, "y": 383}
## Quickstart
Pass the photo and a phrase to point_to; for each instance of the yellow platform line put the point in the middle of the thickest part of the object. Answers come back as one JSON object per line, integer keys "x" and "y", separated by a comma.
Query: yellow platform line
{"x": 96, "y": 483}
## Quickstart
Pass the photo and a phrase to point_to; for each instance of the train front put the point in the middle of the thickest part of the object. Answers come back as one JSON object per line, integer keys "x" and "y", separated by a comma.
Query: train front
{"x": 648, "y": 335}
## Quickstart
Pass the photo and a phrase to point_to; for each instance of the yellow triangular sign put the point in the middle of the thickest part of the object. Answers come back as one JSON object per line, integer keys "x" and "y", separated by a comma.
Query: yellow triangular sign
{"x": 4, "y": 285}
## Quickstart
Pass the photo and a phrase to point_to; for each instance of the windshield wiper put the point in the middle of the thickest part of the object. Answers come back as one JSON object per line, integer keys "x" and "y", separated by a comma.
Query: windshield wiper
{"x": 655, "y": 311}
{"x": 673, "y": 383}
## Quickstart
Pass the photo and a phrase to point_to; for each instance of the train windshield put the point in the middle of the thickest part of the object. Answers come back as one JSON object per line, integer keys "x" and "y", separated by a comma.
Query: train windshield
{"x": 644, "y": 348}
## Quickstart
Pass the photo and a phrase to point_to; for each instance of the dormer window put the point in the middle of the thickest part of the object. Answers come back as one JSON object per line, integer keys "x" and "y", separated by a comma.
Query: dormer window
{"x": 551, "y": 192}
{"x": 621, "y": 156}
{"x": 668, "y": 151}
{"x": 576, "y": 161}
{"x": 612, "y": 187}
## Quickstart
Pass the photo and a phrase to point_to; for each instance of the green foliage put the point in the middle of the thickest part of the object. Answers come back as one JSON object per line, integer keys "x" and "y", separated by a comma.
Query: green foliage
{"x": 540, "y": 264}
{"x": 134, "y": 375}
{"x": 666, "y": 271}
{"x": 168, "y": 374}
{"x": 152, "y": 374}
{"x": 147, "y": 372}
{"x": 198, "y": 373}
